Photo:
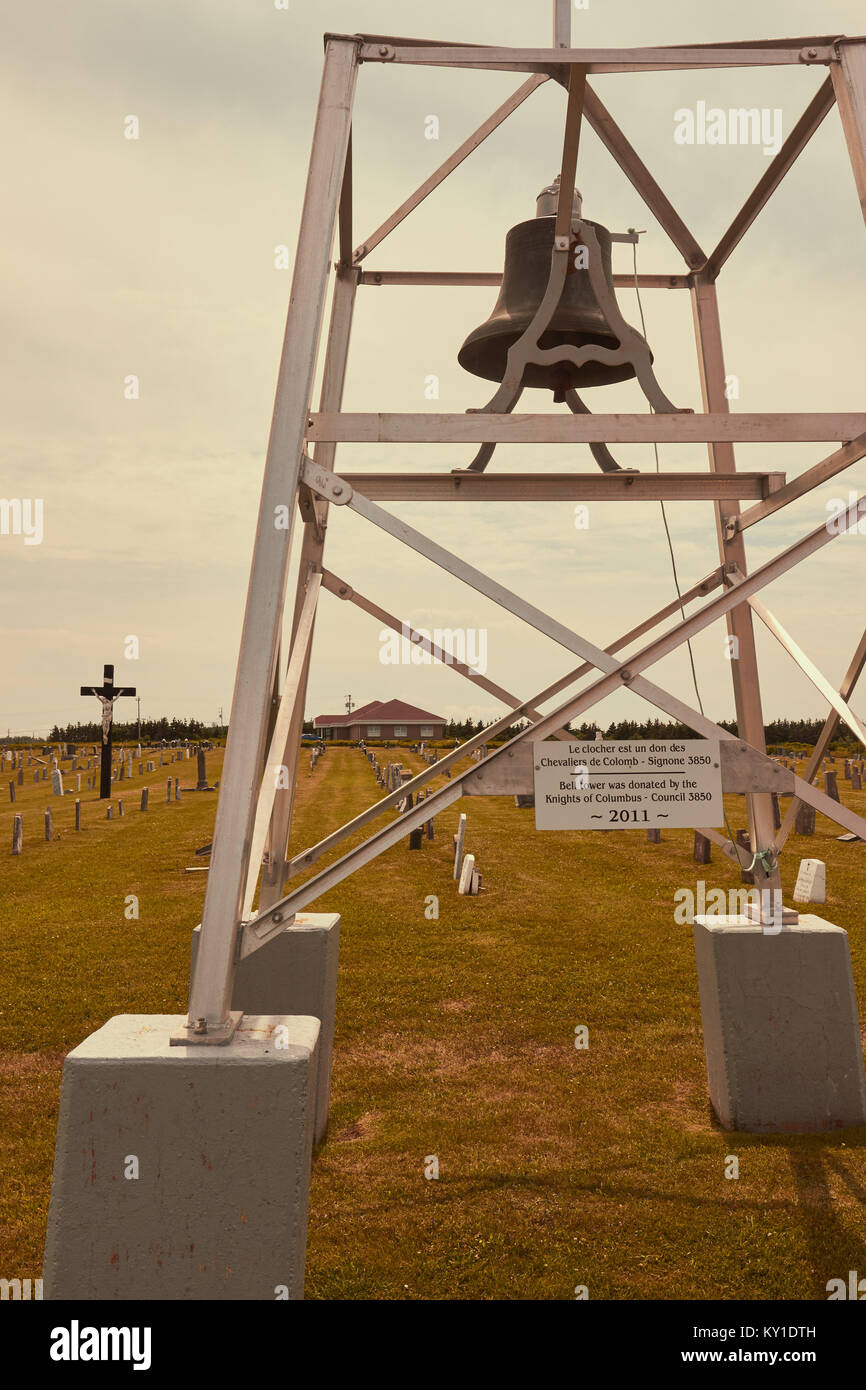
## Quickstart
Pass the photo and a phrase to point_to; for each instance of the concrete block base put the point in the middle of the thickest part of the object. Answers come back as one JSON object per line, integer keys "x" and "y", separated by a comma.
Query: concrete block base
{"x": 183, "y": 1172}
{"x": 781, "y": 1029}
{"x": 296, "y": 973}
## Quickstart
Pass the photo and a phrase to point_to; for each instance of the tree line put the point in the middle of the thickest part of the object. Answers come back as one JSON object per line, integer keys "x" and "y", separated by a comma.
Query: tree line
{"x": 152, "y": 731}
{"x": 778, "y": 731}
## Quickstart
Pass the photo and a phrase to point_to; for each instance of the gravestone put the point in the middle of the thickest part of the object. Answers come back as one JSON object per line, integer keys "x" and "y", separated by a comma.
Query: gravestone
{"x": 830, "y": 785}
{"x": 703, "y": 849}
{"x": 466, "y": 875}
{"x": 856, "y": 783}
{"x": 811, "y": 884}
{"x": 202, "y": 785}
{"x": 458, "y": 844}
{"x": 11, "y": 791}
{"x": 18, "y": 835}
{"x": 524, "y": 801}
{"x": 804, "y": 823}
{"x": 416, "y": 838}
{"x": 654, "y": 836}
{"x": 48, "y": 826}
{"x": 57, "y": 782}
{"x": 78, "y": 815}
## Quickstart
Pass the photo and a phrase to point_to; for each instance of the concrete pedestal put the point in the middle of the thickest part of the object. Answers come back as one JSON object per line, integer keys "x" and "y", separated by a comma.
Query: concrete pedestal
{"x": 296, "y": 973}
{"x": 183, "y": 1172}
{"x": 781, "y": 1030}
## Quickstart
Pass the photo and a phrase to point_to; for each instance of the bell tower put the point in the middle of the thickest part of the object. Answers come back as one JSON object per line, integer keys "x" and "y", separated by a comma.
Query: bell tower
{"x": 555, "y": 325}
{"x": 229, "y": 1098}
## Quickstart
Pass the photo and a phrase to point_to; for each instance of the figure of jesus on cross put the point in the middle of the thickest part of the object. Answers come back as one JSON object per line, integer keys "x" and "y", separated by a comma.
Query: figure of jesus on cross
{"x": 106, "y": 696}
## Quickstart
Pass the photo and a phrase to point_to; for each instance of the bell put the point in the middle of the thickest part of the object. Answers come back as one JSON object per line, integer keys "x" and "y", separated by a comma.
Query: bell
{"x": 577, "y": 320}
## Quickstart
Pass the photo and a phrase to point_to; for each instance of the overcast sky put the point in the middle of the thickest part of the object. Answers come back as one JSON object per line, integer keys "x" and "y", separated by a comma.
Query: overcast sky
{"x": 155, "y": 258}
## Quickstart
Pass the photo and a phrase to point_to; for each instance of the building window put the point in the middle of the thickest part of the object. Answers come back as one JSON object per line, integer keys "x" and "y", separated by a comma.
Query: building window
{"x": 426, "y": 730}
{"x": 399, "y": 730}
{"x": 374, "y": 731}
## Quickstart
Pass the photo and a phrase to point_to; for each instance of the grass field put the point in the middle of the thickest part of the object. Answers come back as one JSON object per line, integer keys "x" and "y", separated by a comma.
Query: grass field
{"x": 455, "y": 1037}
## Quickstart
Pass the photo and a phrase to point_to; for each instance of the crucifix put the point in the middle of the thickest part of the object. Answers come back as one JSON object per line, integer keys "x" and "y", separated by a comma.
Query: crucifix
{"x": 107, "y": 696}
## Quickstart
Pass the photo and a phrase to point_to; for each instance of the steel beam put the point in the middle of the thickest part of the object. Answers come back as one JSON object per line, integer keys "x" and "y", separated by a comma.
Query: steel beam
{"x": 561, "y": 487}
{"x": 448, "y": 167}
{"x": 716, "y": 426}
{"x": 211, "y": 986}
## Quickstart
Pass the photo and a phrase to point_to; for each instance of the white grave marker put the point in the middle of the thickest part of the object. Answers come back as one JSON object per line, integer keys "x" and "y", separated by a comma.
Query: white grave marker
{"x": 630, "y": 785}
{"x": 811, "y": 882}
{"x": 466, "y": 874}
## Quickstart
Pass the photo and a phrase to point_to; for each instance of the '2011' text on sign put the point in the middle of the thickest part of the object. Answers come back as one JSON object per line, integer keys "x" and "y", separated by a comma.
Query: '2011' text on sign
{"x": 627, "y": 786}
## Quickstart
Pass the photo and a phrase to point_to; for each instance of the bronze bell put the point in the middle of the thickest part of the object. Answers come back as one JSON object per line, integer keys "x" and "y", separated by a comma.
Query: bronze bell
{"x": 577, "y": 320}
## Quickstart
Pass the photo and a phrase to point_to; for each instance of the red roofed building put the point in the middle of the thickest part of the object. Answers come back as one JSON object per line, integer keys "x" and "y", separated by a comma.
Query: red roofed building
{"x": 391, "y": 720}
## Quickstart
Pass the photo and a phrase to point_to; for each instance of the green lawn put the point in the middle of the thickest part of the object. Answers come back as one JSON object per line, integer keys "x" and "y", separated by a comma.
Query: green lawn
{"x": 455, "y": 1038}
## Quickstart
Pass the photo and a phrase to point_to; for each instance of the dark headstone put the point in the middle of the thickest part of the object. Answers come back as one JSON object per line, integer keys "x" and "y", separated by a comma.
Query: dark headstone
{"x": 804, "y": 823}
{"x": 703, "y": 849}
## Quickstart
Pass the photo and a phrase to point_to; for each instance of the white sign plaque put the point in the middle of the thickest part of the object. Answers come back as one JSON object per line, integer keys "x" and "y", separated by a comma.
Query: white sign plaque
{"x": 627, "y": 786}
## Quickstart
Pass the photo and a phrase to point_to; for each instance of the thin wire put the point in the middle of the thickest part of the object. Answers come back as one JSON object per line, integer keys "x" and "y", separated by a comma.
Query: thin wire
{"x": 661, "y": 503}
{"x": 731, "y": 836}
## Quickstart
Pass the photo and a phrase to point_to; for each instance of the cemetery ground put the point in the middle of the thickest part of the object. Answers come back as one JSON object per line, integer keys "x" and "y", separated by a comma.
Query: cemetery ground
{"x": 455, "y": 1037}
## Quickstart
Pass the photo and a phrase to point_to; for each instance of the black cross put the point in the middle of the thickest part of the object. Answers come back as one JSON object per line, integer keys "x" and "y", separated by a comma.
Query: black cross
{"x": 109, "y": 692}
